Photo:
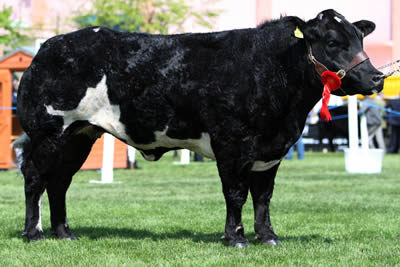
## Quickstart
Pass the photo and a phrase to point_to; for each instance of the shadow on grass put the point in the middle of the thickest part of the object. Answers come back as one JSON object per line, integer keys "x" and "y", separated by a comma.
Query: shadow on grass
{"x": 306, "y": 238}
{"x": 138, "y": 234}
{"x": 96, "y": 233}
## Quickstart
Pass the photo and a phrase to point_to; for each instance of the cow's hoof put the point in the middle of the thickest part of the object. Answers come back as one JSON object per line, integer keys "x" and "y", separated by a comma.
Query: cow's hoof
{"x": 33, "y": 235}
{"x": 271, "y": 242}
{"x": 242, "y": 243}
{"x": 63, "y": 232}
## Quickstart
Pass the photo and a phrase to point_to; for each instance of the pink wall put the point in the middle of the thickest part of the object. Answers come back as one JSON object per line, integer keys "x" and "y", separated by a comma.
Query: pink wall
{"x": 46, "y": 17}
{"x": 52, "y": 15}
{"x": 396, "y": 29}
{"x": 234, "y": 14}
{"x": 376, "y": 11}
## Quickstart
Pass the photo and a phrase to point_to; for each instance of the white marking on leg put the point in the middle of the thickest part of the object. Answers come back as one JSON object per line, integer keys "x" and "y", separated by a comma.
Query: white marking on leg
{"x": 39, "y": 224}
{"x": 260, "y": 166}
{"x": 239, "y": 227}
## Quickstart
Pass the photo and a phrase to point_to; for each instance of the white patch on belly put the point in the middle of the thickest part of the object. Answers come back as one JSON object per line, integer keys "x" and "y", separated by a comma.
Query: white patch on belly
{"x": 148, "y": 157}
{"x": 201, "y": 146}
{"x": 260, "y": 166}
{"x": 96, "y": 108}
{"x": 96, "y": 29}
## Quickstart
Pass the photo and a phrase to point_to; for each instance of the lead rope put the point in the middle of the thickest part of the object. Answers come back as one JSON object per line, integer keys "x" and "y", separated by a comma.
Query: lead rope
{"x": 394, "y": 70}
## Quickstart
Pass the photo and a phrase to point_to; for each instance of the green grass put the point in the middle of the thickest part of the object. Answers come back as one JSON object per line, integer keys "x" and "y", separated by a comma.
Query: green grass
{"x": 167, "y": 215}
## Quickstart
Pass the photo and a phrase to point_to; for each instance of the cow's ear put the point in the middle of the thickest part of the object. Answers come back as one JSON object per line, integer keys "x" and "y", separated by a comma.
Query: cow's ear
{"x": 296, "y": 21}
{"x": 311, "y": 31}
{"x": 297, "y": 24}
{"x": 365, "y": 26}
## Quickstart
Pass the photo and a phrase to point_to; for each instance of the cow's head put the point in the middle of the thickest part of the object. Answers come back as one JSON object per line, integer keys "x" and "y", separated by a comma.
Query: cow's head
{"x": 335, "y": 42}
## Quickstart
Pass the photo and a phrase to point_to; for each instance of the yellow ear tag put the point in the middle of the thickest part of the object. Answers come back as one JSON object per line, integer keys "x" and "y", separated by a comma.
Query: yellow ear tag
{"x": 298, "y": 33}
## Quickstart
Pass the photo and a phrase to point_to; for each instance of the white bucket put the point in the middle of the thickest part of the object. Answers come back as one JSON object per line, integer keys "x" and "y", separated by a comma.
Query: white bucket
{"x": 363, "y": 160}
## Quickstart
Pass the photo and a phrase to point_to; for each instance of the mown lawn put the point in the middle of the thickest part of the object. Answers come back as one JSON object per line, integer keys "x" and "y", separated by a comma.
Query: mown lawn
{"x": 167, "y": 215}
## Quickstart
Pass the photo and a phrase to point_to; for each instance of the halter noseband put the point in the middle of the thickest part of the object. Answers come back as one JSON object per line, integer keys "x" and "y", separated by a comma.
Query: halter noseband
{"x": 320, "y": 68}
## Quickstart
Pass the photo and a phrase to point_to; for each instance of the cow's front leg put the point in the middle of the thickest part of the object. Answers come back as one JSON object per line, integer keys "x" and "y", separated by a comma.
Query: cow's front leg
{"x": 235, "y": 197}
{"x": 233, "y": 174}
{"x": 261, "y": 188}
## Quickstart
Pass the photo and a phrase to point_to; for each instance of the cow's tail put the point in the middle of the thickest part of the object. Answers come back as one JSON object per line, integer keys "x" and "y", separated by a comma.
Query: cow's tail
{"x": 18, "y": 146}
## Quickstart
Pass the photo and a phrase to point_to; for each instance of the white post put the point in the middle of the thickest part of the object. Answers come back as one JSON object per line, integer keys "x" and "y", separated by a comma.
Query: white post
{"x": 353, "y": 122}
{"x": 360, "y": 160}
{"x": 107, "y": 174}
{"x": 185, "y": 157}
{"x": 364, "y": 133}
{"x": 107, "y": 169}
{"x": 131, "y": 154}
{"x": 352, "y": 154}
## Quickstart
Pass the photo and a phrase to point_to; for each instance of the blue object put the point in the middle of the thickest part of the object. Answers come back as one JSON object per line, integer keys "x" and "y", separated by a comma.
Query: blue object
{"x": 299, "y": 148}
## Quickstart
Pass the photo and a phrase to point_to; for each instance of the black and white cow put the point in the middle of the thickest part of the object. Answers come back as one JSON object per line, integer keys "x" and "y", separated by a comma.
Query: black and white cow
{"x": 240, "y": 97}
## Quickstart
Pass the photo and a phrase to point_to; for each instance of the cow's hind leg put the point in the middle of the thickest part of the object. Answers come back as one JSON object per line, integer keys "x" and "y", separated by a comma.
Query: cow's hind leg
{"x": 73, "y": 155}
{"x": 49, "y": 162}
{"x": 34, "y": 165}
{"x": 34, "y": 187}
{"x": 261, "y": 188}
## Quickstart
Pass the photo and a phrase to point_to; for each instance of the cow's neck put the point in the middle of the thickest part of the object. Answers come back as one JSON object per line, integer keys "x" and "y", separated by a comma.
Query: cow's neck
{"x": 306, "y": 94}
{"x": 304, "y": 84}
{"x": 303, "y": 89}
{"x": 310, "y": 90}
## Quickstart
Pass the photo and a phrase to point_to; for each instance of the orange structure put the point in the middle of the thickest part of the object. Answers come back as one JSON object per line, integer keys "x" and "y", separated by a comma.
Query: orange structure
{"x": 95, "y": 158}
{"x": 10, "y": 129}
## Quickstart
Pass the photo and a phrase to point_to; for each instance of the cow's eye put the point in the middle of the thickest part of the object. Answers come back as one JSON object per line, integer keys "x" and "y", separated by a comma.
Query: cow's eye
{"x": 332, "y": 44}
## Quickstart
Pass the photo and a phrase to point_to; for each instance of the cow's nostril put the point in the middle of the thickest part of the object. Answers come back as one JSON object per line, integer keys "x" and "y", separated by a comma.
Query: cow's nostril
{"x": 378, "y": 78}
